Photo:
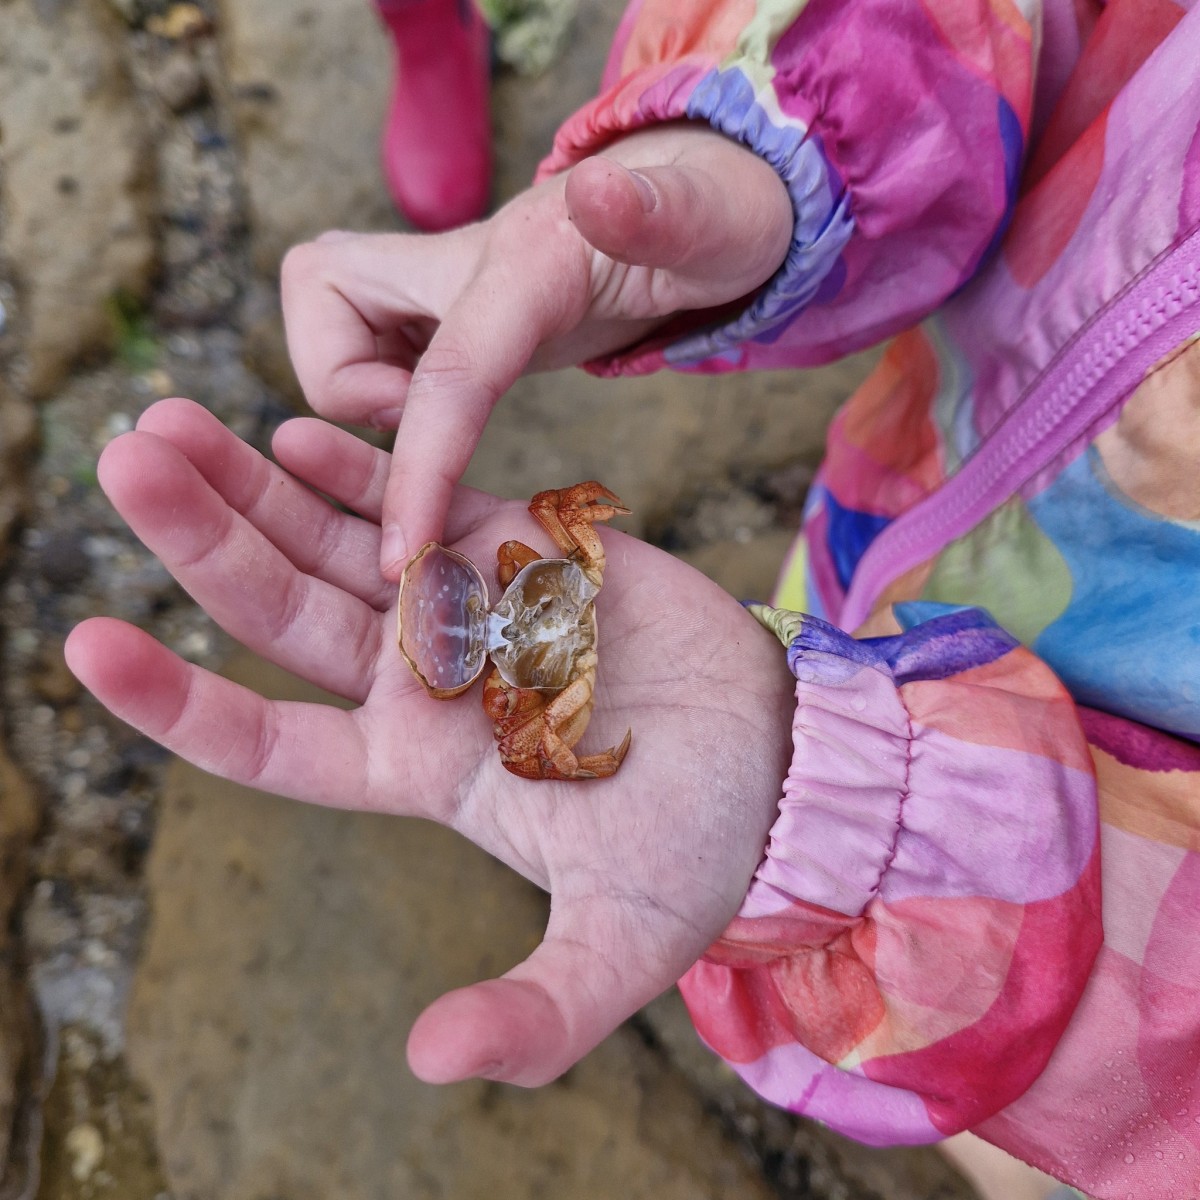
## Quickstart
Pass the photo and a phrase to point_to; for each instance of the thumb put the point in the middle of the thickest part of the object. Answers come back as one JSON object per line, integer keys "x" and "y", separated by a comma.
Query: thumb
{"x": 720, "y": 217}
{"x": 536, "y": 1022}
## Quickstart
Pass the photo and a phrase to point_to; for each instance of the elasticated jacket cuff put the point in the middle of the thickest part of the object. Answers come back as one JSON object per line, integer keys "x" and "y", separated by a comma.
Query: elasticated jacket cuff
{"x": 926, "y": 914}
{"x": 900, "y": 180}
{"x": 728, "y": 101}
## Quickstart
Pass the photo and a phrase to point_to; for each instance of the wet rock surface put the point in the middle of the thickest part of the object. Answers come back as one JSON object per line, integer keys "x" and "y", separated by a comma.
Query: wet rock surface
{"x": 205, "y": 992}
{"x": 76, "y": 227}
{"x": 319, "y": 936}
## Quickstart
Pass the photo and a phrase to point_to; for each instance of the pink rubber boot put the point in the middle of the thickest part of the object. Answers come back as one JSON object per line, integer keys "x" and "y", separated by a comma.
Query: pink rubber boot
{"x": 437, "y": 139}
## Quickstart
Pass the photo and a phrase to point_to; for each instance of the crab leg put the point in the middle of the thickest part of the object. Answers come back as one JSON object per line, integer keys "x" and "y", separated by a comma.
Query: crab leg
{"x": 568, "y": 515}
{"x": 510, "y": 558}
{"x": 535, "y": 735}
{"x": 606, "y": 762}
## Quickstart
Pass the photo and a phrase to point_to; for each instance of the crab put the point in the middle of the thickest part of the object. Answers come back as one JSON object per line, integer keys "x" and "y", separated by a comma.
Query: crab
{"x": 540, "y": 636}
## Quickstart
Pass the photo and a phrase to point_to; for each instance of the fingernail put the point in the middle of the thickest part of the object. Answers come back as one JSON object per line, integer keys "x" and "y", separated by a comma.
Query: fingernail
{"x": 394, "y": 549}
{"x": 646, "y": 192}
{"x": 385, "y": 418}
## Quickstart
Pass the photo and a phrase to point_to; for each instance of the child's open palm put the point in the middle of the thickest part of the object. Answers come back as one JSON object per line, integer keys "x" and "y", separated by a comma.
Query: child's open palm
{"x": 644, "y": 869}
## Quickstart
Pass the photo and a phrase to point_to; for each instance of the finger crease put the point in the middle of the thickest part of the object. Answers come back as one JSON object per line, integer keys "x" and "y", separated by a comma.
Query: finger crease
{"x": 213, "y": 545}
{"x": 291, "y": 610}
{"x": 259, "y": 757}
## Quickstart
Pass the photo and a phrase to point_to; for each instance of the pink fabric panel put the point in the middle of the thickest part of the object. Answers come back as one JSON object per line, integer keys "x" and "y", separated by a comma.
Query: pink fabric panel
{"x": 838, "y": 823}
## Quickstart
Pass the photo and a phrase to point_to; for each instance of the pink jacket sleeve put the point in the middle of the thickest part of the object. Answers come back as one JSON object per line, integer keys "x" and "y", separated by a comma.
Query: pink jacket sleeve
{"x": 923, "y": 948}
{"x": 898, "y": 127}
{"x": 926, "y": 916}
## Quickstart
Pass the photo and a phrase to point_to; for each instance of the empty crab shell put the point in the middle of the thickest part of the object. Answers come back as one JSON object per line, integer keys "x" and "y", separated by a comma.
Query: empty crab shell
{"x": 536, "y": 635}
{"x": 544, "y": 623}
{"x": 443, "y": 620}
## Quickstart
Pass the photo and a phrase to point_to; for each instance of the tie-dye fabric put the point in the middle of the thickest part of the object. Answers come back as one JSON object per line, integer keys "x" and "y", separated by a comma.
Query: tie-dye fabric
{"x": 843, "y": 989}
{"x": 1015, "y": 198}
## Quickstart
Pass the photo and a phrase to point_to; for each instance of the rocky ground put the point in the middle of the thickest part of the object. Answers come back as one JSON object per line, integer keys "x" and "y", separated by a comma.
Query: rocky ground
{"x": 203, "y": 992}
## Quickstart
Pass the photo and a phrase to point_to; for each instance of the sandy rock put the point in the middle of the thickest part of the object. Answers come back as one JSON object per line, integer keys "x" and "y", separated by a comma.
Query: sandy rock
{"x": 19, "y": 1083}
{"x": 527, "y": 110}
{"x": 656, "y": 439}
{"x": 76, "y": 223}
{"x": 745, "y": 569}
{"x": 289, "y": 952}
{"x": 18, "y": 821}
{"x": 309, "y": 85}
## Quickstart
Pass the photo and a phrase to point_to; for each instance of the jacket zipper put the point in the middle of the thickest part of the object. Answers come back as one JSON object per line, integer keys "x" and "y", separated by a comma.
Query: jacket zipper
{"x": 1090, "y": 376}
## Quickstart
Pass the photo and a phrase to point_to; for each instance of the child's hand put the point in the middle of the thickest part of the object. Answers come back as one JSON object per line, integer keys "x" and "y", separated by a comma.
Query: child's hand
{"x": 438, "y": 327}
{"x": 645, "y": 869}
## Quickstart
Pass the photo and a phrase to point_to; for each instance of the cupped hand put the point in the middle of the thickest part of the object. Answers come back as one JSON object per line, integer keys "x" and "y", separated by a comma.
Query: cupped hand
{"x": 427, "y": 332}
{"x": 644, "y": 869}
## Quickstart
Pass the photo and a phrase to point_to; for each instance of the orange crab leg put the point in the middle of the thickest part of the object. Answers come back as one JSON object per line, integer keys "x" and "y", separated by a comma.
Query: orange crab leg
{"x": 590, "y": 766}
{"x": 566, "y": 765}
{"x": 607, "y": 761}
{"x": 528, "y": 743}
{"x": 510, "y": 558}
{"x": 568, "y": 515}
{"x": 535, "y": 735}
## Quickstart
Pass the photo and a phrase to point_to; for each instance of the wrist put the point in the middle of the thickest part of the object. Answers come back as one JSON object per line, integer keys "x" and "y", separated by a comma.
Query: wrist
{"x": 771, "y": 709}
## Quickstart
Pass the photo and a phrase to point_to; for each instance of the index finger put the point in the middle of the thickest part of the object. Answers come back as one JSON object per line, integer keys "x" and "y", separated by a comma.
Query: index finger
{"x": 481, "y": 348}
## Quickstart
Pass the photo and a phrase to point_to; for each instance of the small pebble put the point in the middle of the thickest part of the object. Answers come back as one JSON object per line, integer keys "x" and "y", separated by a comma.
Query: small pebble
{"x": 179, "y": 82}
{"x": 63, "y": 560}
{"x": 160, "y": 382}
{"x": 55, "y": 683}
{"x": 117, "y": 424}
{"x": 179, "y": 21}
{"x": 126, "y": 9}
{"x": 86, "y": 1148}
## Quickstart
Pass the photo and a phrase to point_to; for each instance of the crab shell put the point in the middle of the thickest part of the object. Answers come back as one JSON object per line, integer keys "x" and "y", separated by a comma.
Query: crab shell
{"x": 534, "y": 635}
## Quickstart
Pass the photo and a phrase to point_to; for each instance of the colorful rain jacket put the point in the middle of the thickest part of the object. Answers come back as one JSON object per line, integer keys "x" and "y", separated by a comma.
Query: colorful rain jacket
{"x": 980, "y": 904}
